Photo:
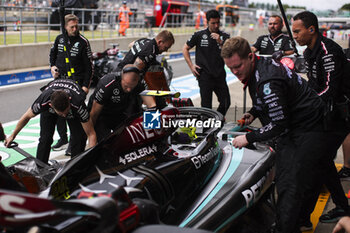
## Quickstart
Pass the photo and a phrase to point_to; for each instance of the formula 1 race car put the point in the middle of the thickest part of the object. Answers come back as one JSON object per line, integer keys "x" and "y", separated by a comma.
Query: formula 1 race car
{"x": 173, "y": 166}
{"x": 107, "y": 62}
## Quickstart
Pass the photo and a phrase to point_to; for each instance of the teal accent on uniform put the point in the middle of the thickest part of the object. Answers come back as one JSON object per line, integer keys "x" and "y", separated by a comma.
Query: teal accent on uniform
{"x": 267, "y": 89}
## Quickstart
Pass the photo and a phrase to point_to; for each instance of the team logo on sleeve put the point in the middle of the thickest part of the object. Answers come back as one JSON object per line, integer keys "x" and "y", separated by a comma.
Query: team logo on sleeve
{"x": 151, "y": 119}
{"x": 116, "y": 91}
{"x": 267, "y": 89}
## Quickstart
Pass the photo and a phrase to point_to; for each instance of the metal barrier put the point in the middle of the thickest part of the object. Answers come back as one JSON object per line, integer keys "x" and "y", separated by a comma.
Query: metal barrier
{"x": 41, "y": 24}
{"x": 186, "y": 22}
{"x": 94, "y": 23}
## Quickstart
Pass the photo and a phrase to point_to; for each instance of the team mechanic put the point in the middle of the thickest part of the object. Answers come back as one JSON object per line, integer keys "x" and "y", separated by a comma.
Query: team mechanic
{"x": 80, "y": 56}
{"x": 289, "y": 110}
{"x": 65, "y": 98}
{"x": 209, "y": 67}
{"x": 80, "y": 59}
{"x": 144, "y": 51}
{"x": 326, "y": 66}
{"x": 111, "y": 99}
{"x": 276, "y": 43}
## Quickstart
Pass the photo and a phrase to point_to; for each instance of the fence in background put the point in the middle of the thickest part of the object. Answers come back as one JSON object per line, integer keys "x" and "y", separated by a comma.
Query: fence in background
{"x": 20, "y": 25}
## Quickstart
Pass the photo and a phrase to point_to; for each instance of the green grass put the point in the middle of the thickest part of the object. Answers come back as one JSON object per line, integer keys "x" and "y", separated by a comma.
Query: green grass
{"x": 43, "y": 36}
{"x": 15, "y": 37}
{"x": 27, "y": 38}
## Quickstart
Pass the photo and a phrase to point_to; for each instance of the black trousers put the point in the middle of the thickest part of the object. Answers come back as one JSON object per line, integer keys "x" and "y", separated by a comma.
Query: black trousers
{"x": 62, "y": 128}
{"x": 47, "y": 128}
{"x": 105, "y": 125}
{"x": 61, "y": 122}
{"x": 298, "y": 171}
{"x": 208, "y": 85}
{"x": 329, "y": 176}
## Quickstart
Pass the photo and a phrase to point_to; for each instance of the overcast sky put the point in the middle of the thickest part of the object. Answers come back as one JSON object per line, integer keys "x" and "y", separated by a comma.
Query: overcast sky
{"x": 309, "y": 4}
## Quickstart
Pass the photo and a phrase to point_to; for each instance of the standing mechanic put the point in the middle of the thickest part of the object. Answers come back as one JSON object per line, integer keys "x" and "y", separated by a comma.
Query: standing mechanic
{"x": 288, "y": 109}
{"x": 80, "y": 60}
{"x": 276, "y": 43}
{"x": 326, "y": 66}
{"x": 65, "y": 98}
{"x": 111, "y": 99}
{"x": 209, "y": 66}
{"x": 144, "y": 51}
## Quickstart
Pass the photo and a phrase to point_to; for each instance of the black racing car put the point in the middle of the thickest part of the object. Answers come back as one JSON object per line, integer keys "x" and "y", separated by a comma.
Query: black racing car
{"x": 185, "y": 173}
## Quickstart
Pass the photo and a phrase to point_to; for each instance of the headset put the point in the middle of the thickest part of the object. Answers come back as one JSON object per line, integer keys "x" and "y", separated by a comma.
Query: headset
{"x": 131, "y": 69}
{"x": 311, "y": 30}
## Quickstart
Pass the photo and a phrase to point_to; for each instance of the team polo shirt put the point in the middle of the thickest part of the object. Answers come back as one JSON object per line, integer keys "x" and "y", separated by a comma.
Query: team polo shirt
{"x": 267, "y": 46}
{"x": 208, "y": 52}
{"x": 110, "y": 94}
{"x": 77, "y": 105}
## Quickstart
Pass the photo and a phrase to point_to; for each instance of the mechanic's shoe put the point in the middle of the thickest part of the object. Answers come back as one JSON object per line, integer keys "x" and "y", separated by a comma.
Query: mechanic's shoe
{"x": 60, "y": 145}
{"x": 344, "y": 173}
{"x": 306, "y": 226}
{"x": 333, "y": 215}
{"x": 68, "y": 152}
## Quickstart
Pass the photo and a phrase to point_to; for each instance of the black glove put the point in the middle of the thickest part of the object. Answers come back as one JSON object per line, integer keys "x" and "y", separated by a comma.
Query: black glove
{"x": 2, "y": 134}
{"x": 277, "y": 56}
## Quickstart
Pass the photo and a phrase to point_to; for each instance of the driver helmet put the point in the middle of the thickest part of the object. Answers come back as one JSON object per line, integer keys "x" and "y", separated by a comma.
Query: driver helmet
{"x": 185, "y": 135}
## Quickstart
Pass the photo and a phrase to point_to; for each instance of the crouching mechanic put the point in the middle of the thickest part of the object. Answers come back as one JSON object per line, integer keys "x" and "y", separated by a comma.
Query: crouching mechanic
{"x": 112, "y": 98}
{"x": 65, "y": 98}
{"x": 289, "y": 110}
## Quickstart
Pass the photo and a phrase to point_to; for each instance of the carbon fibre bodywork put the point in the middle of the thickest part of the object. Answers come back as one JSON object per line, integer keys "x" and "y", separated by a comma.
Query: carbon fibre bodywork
{"x": 204, "y": 184}
{"x": 152, "y": 176}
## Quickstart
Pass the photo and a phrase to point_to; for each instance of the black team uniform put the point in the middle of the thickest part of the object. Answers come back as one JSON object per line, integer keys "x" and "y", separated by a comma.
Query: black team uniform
{"x": 212, "y": 75}
{"x": 115, "y": 101}
{"x": 144, "y": 49}
{"x": 327, "y": 68}
{"x": 78, "y": 113}
{"x": 267, "y": 46}
{"x": 292, "y": 112}
{"x": 80, "y": 59}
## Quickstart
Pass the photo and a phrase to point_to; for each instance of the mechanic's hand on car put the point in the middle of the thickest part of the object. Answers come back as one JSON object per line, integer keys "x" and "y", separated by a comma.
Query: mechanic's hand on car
{"x": 240, "y": 141}
{"x": 55, "y": 72}
{"x": 195, "y": 69}
{"x": 277, "y": 56}
{"x": 8, "y": 140}
{"x": 343, "y": 225}
{"x": 247, "y": 119}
